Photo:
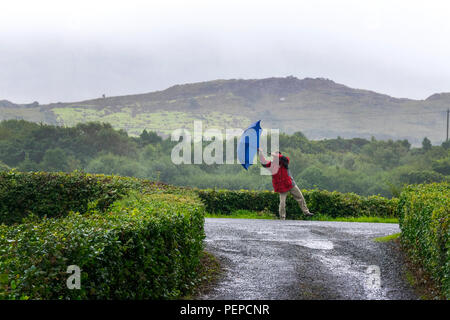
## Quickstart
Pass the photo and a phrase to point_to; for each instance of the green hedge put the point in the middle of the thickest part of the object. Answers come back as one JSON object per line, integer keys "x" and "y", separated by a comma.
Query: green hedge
{"x": 425, "y": 223}
{"x": 334, "y": 204}
{"x": 55, "y": 194}
{"x": 144, "y": 247}
{"x": 132, "y": 239}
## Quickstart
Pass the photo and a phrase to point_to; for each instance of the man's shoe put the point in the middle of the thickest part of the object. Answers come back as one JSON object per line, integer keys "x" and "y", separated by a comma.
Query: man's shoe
{"x": 309, "y": 214}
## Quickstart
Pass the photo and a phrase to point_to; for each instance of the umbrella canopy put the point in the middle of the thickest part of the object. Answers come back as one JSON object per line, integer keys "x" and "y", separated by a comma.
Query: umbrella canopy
{"x": 248, "y": 144}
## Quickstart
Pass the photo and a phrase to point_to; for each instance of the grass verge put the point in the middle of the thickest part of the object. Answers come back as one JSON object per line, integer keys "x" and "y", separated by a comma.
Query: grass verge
{"x": 209, "y": 272}
{"x": 243, "y": 214}
{"x": 387, "y": 238}
{"x": 247, "y": 214}
{"x": 320, "y": 217}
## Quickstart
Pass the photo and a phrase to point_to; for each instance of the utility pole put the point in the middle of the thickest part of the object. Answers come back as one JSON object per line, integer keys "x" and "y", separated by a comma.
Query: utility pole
{"x": 448, "y": 111}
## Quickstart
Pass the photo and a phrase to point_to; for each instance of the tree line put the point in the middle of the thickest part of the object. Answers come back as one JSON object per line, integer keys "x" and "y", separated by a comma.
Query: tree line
{"x": 362, "y": 166}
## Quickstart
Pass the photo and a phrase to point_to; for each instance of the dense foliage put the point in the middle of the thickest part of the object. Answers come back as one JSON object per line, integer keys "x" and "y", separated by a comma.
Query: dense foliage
{"x": 146, "y": 245}
{"x": 55, "y": 194}
{"x": 332, "y": 204}
{"x": 425, "y": 224}
{"x": 364, "y": 167}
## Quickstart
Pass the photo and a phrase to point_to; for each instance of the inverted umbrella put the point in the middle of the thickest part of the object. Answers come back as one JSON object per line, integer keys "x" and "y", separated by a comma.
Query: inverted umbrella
{"x": 248, "y": 144}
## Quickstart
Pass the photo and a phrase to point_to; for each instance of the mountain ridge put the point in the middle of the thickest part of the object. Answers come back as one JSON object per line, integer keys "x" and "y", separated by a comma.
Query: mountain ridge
{"x": 436, "y": 95}
{"x": 319, "y": 107}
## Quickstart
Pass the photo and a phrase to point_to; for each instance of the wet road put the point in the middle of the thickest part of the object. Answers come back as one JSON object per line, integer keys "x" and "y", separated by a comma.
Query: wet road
{"x": 273, "y": 259}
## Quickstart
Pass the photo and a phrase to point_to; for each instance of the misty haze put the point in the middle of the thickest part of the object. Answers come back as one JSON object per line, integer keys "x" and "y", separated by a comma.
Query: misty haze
{"x": 105, "y": 196}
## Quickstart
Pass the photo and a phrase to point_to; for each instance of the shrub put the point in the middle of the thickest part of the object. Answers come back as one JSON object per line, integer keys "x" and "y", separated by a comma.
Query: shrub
{"x": 424, "y": 220}
{"x": 415, "y": 177}
{"x": 144, "y": 247}
{"x": 441, "y": 166}
{"x": 333, "y": 204}
{"x": 132, "y": 239}
{"x": 55, "y": 194}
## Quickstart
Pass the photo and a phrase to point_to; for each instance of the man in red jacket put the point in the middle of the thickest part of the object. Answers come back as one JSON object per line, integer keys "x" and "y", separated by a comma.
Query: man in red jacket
{"x": 283, "y": 182}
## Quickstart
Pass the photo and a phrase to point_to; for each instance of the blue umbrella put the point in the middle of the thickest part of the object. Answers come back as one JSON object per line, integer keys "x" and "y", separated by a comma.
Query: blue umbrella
{"x": 248, "y": 144}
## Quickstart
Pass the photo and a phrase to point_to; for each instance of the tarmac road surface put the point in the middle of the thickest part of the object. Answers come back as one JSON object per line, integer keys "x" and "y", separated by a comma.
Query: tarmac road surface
{"x": 277, "y": 260}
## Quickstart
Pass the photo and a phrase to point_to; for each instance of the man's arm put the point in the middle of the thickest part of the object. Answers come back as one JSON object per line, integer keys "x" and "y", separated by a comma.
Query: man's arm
{"x": 263, "y": 160}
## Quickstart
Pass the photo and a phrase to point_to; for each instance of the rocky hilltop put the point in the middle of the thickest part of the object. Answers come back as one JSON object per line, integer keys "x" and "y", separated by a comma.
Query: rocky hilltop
{"x": 320, "y": 108}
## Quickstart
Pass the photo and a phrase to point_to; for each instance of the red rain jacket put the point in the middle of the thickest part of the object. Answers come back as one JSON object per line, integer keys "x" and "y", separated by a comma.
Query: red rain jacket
{"x": 281, "y": 180}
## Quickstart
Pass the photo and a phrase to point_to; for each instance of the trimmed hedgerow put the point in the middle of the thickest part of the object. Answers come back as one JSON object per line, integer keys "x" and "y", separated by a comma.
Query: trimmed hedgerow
{"x": 334, "y": 204}
{"x": 55, "y": 194}
{"x": 132, "y": 238}
{"x": 425, "y": 223}
{"x": 142, "y": 247}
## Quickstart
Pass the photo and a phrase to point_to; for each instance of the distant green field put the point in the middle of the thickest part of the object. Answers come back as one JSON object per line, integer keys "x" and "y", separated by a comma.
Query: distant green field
{"x": 29, "y": 114}
{"x": 135, "y": 123}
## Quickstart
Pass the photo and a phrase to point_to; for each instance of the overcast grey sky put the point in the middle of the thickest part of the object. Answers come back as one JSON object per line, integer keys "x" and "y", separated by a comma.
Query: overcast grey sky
{"x": 73, "y": 50}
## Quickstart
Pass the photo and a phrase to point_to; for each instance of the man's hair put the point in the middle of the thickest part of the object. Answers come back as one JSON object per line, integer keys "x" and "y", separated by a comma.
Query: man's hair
{"x": 284, "y": 161}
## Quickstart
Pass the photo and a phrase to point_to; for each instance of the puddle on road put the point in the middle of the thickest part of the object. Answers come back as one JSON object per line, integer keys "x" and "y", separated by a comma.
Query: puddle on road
{"x": 316, "y": 244}
{"x": 353, "y": 272}
{"x": 311, "y": 243}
